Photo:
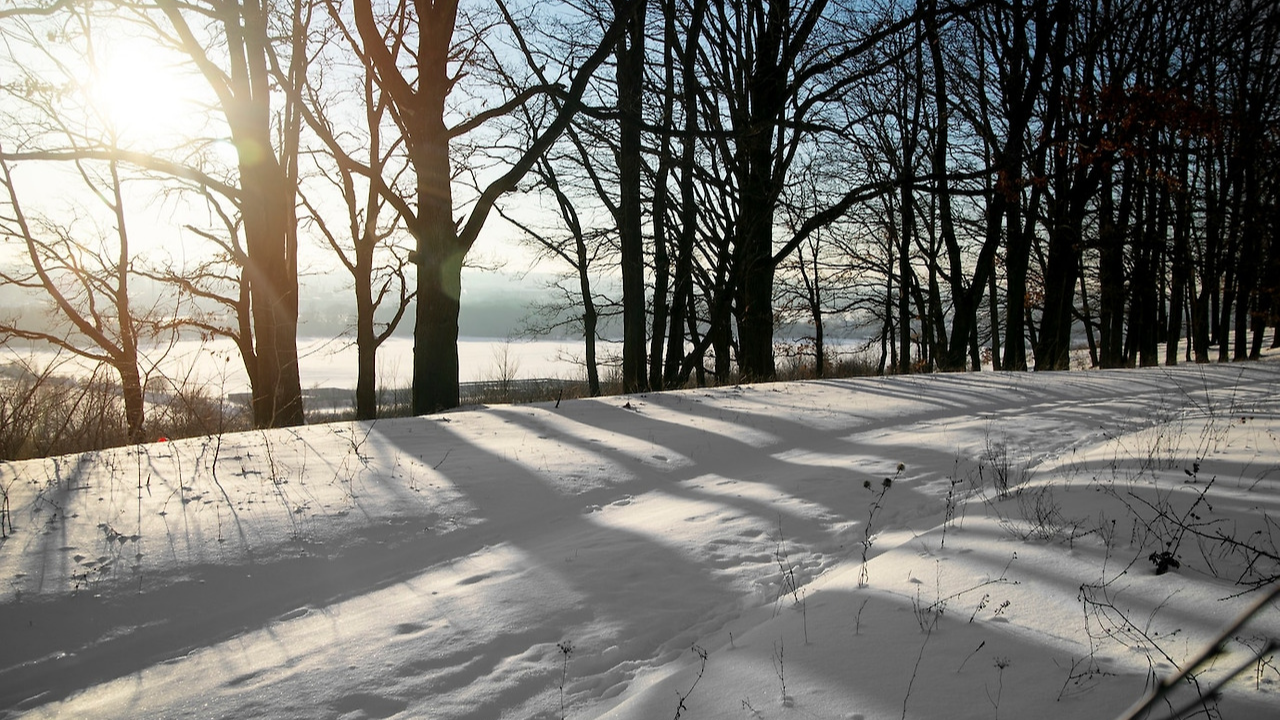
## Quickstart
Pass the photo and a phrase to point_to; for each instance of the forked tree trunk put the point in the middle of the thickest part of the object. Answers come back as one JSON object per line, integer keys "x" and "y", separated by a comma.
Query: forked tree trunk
{"x": 266, "y": 202}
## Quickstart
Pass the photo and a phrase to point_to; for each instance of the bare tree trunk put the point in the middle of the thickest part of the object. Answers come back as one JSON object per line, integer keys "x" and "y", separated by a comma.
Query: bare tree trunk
{"x": 906, "y": 240}
{"x": 590, "y": 322}
{"x": 435, "y": 334}
{"x": 63, "y": 262}
{"x": 1181, "y": 263}
{"x": 965, "y": 297}
{"x": 630, "y": 80}
{"x": 662, "y": 265}
{"x": 1086, "y": 316}
{"x": 417, "y": 97}
{"x": 1111, "y": 271}
{"x": 126, "y": 350}
{"x": 366, "y": 337}
{"x": 682, "y": 279}
{"x": 267, "y": 185}
{"x": 766, "y": 92}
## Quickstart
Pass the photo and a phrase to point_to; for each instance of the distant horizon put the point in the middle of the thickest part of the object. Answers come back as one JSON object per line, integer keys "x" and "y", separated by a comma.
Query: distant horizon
{"x": 329, "y": 363}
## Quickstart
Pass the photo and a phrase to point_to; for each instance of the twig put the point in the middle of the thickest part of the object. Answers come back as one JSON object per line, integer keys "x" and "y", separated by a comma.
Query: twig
{"x": 970, "y": 655}
{"x": 566, "y": 649}
{"x": 916, "y": 670}
{"x": 1210, "y": 651}
{"x": 702, "y": 655}
{"x": 446, "y": 457}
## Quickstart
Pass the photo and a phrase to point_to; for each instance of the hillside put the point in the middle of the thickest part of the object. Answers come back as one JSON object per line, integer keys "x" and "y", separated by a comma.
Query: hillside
{"x": 694, "y": 554}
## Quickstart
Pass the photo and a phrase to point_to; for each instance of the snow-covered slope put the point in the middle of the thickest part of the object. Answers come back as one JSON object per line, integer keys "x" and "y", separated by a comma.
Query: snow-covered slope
{"x": 695, "y": 554}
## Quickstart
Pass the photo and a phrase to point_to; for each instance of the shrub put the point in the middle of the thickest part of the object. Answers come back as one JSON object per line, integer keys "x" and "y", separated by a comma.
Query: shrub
{"x": 43, "y": 413}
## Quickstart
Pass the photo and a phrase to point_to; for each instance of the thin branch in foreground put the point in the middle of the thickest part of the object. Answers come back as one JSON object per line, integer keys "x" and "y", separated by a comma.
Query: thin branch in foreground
{"x": 1165, "y": 687}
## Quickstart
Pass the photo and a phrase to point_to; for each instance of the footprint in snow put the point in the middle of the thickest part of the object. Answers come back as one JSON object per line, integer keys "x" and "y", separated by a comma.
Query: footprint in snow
{"x": 408, "y": 628}
{"x": 475, "y": 578}
{"x": 372, "y": 706}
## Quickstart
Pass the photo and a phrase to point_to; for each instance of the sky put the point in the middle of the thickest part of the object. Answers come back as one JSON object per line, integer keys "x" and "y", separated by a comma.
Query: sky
{"x": 151, "y": 99}
{"x": 973, "y": 545}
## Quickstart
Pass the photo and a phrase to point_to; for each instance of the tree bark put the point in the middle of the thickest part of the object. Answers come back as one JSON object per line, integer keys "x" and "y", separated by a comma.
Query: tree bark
{"x": 753, "y": 252}
{"x": 266, "y": 200}
{"x": 1111, "y": 271}
{"x": 682, "y": 278}
{"x": 630, "y": 87}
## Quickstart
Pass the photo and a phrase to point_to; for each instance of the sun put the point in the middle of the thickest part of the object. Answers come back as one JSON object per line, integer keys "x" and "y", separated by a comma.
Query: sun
{"x": 142, "y": 92}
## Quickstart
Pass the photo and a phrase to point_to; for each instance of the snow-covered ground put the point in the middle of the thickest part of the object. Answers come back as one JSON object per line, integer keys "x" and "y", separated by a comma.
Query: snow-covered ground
{"x": 695, "y": 554}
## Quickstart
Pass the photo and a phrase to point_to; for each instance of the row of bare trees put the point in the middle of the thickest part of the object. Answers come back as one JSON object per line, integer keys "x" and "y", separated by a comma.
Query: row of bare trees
{"x": 965, "y": 180}
{"x": 959, "y": 178}
{"x": 351, "y": 123}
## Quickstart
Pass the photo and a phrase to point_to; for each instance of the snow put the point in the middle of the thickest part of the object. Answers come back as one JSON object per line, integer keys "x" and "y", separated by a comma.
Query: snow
{"x": 693, "y": 554}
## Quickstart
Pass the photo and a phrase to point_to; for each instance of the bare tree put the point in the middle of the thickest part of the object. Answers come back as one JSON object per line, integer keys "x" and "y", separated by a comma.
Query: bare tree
{"x": 81, "y": 260}
{"x": 417, "y": 82}
{"x": 580, "y": 247}
{"x": 87, "y": 278}
{"x": 229, "y": 42}
{"x": 347, "y": 115}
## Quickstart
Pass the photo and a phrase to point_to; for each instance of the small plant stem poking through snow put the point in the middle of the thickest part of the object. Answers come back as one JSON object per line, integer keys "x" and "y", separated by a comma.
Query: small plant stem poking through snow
{"x": 780, "y": 669}
{"x": 950, "y": 512}
{"x": 804, "y": 617}
{"x": 970, "y": 655}
{"x": 1081, "y": 676}
{"x": 1006, "y": 477}
{"x": 566, "y": 649}
{"x": 857, "y": 618}
{"x": 981, "y": 604}
{"x": 916, "y": 670}
{"x": 1001, "y": 664}
{"x": 702, "y": 668}
{"x": 6, "y": 517}
{"x": 869, "y": 529}
{"x": 788, "y": 583}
